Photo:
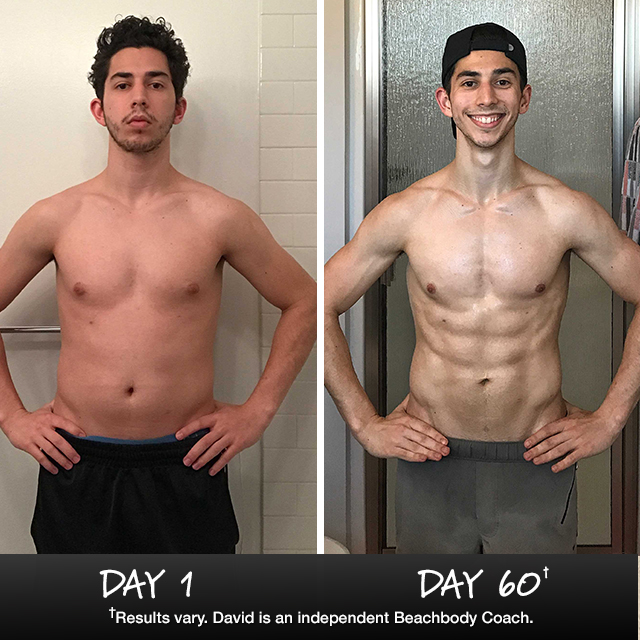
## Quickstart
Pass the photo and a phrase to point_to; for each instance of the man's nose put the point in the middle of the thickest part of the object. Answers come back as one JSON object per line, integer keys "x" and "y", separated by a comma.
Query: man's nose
{"x": 139, "y": 96}
{"x": 486, "y": 94}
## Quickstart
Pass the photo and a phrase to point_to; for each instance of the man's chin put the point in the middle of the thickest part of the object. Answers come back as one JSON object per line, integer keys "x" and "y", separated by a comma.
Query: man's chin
{"x": 132, "y": 145}
{"x": 485, "y": 142}
{"x": 139, "y": 147}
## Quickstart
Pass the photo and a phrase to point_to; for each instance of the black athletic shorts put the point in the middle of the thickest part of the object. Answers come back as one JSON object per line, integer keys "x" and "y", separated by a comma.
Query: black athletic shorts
{"x": 133, "y": 498}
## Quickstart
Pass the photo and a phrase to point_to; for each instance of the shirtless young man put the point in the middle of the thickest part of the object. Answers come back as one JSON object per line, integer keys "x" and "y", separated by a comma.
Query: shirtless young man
{"x": 487, "y": 450}
{"x": 139, "y": 252}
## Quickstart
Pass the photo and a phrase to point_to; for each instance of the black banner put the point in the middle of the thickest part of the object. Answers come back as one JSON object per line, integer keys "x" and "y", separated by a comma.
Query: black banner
{"x": 458, "y": 595}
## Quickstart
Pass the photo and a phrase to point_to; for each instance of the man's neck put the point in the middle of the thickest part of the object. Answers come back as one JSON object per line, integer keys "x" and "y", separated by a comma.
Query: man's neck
{"x": 484, "y": 174}
{"x": 134, "y": 178}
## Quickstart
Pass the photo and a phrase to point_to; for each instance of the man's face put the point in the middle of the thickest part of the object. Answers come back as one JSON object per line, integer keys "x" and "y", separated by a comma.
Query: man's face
{"x": 485, "y": 98}
{"x": 139, "y": 105}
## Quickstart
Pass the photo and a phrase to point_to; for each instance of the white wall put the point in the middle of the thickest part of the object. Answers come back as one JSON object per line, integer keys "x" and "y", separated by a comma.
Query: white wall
{"x": 49, "y": 141}
{"x": 288, "y": 206}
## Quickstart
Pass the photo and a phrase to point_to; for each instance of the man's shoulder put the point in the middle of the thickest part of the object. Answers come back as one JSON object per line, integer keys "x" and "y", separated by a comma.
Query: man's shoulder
{"x": 42, "y": 224}
{"x": 65, "y": 203}
{"x": 210, "y": 202}
{"x": 53, "y": 210}
{"x": 417, "y": 198}
{"x": 391, "y": 222}
{"x": 554, "y": 195}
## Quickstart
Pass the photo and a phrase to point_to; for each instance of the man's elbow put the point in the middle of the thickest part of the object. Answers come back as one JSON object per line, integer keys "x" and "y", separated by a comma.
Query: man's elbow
{"x": 305, "y": 303}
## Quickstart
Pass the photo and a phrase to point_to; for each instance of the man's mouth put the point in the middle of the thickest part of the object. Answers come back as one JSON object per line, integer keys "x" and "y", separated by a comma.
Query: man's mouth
{"x": 138, "y": 120}
{"x": 487, "y": 121}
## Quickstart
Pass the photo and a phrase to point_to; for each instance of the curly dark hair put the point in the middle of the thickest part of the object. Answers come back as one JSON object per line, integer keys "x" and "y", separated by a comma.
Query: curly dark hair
{"x": 138, "y": 33}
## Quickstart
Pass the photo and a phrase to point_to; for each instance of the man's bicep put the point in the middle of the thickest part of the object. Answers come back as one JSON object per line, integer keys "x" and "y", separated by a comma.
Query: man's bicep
{"x": 353, "y": 269}
{"x": 27, "y": 250}
{"x": 610, "y": 253}
{"x": 255, "y": 254}
{"x": 348, "y": 276}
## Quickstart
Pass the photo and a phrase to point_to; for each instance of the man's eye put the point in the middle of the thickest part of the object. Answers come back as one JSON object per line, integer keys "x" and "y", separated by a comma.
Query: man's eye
{"x": 468, "y": 83}
{"x": 504, "y": 83}
{"x": 156, "y": 85}
{"x": 122, "y": 85}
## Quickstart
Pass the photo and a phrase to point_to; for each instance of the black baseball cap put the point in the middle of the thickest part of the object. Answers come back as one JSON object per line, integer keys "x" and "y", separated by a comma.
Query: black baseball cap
{"x": 482, "y": 37}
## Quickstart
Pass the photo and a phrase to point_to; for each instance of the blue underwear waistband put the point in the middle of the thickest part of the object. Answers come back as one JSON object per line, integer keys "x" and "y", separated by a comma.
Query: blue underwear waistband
{"x": 171, "y": 437}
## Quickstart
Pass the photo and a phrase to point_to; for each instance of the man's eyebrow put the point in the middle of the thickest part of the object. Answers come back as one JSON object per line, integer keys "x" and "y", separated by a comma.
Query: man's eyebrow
{"x": 467, "y": 73}
{"x": 502, "y": 71}
{"x": 156, "y": 74}
{"x": 148, "y": 74}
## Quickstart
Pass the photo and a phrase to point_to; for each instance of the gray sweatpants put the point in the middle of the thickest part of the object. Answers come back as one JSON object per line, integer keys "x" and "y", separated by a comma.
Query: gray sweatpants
{"x": 484, "y": 497}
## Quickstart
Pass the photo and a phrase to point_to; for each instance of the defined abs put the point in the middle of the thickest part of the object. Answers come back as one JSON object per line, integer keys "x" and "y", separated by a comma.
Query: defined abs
{"x": 486, "y": 400}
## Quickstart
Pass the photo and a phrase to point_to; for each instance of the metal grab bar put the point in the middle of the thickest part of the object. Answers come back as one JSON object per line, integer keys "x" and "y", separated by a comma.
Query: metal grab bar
{"x": 35, "y": 329}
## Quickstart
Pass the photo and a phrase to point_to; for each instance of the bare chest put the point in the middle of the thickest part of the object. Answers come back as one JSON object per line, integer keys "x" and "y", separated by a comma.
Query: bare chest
{"x": 103, "y": 261}
{"x": 501, "y": 254}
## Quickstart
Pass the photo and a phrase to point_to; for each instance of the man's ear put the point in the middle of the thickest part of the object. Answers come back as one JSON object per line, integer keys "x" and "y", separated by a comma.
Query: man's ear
{"x": 442, "y": 98}
{"x": 525, "y": 99}
{"x": 97, "y": 111}
{"x": 181, "y": 108}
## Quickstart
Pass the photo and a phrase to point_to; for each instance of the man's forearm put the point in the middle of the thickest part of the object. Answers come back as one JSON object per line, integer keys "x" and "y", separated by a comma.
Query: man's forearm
{"x": 624, "y": 391}
{"x": 9, "y": 400}
{"x": 340, "y": 377}
{"x": 292, "y": 341}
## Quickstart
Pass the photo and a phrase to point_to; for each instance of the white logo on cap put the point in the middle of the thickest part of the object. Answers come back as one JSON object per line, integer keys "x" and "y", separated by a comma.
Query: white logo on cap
{"x": 510, "y": 47}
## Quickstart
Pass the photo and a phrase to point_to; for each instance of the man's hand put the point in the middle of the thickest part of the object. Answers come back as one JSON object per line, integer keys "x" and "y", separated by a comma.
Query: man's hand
{"x": 400, "y": 435}
{"x": 580, "y": 434}
{"x": 36, "y": 434}
{"x": 232, "y": 428}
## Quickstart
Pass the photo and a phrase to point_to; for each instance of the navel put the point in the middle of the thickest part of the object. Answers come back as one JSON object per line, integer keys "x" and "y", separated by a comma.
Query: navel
{"x": 484, "y": 381}
{"x": 78, "y": 289}
{"x": 540, "y": 288}
{"x": 130, "y": 391}
{"x": 431, "y": 288}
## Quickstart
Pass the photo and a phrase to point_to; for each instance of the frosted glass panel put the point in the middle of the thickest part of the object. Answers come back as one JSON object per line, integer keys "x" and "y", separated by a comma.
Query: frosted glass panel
{"x": 566, "y": 133}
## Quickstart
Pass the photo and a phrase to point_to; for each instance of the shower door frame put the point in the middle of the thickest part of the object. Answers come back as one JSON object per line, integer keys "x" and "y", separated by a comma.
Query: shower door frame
{"x": 626, "y": 109}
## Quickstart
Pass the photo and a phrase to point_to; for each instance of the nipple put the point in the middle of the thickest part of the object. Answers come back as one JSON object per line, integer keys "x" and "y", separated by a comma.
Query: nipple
{"x": 193, "y": 288}
{"x": 540, "y": 288}
{"x": 431, "y": 288}
{"x": 78, "y": 289}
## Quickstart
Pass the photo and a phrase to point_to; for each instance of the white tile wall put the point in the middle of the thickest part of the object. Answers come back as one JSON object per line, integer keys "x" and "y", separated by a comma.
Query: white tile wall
{"x": 304, "y": 31}
{"x": 288, "y": 207}
{"x": 288, "y": 64}
{"x": 276, "y": 31}
{"x": 304, "y": 164}
{"x": 292, "y": 7}
{"x": 276, "y": 97}
{"x": 304, "y": 97}
{"x": 288, "y": 197}
{"x": 288, "y": 131}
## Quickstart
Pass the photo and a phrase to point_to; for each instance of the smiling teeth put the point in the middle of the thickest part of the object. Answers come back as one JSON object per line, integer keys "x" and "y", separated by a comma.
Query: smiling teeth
{"x": 485, "y": 119}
